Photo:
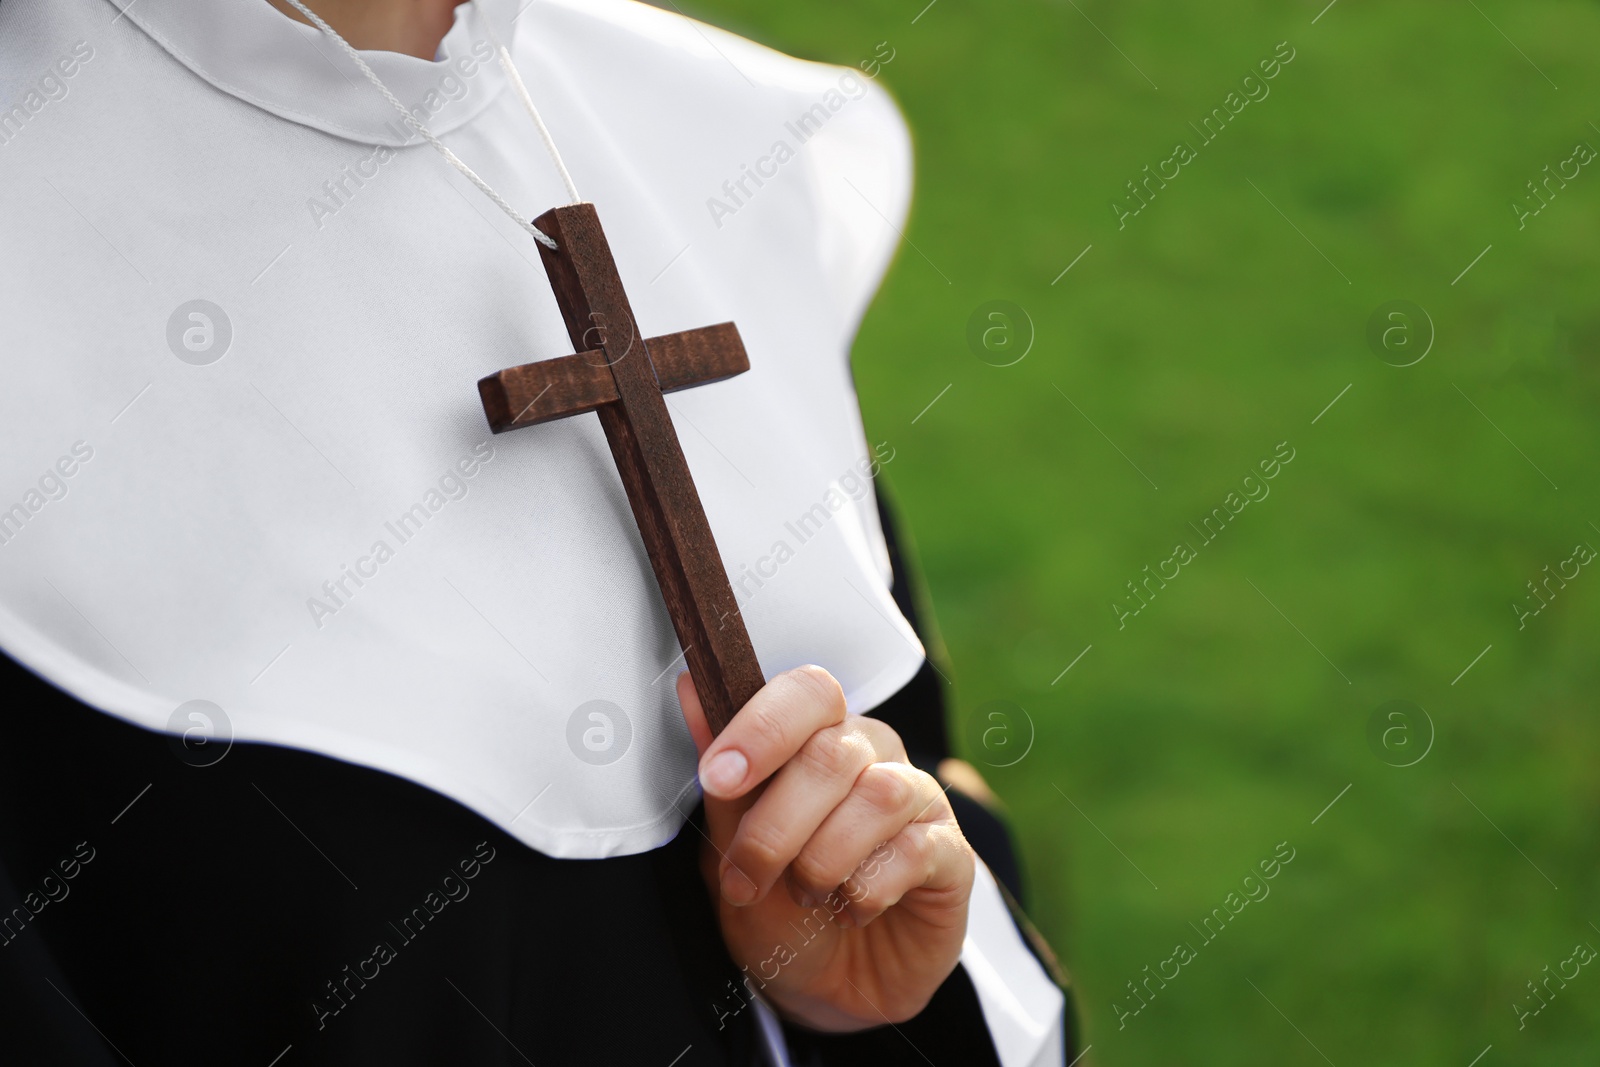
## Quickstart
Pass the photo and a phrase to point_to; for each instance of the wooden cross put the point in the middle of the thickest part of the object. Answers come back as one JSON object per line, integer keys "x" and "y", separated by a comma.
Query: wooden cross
{"x": 621, "y": 377}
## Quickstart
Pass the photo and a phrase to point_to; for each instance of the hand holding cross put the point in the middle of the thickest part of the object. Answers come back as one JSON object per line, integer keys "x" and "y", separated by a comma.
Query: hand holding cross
{"x": 622, "y": 377}
{"x": 901, "y": 903}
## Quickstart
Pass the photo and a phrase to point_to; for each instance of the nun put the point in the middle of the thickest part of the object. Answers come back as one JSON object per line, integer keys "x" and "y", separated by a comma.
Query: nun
{"x": 341, "y": 730}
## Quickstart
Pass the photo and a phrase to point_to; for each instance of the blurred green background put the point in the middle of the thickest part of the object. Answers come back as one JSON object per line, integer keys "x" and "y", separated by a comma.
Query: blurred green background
{"x": 1185, "y": 745}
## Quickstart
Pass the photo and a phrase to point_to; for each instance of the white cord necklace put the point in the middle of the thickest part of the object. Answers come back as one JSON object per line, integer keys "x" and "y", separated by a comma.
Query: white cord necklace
{"x": 594, "y": 305}
{"x": 450, "y": 157}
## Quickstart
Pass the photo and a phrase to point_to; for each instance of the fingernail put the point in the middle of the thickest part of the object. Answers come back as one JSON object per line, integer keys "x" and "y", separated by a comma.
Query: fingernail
{"x": 737, "y": 889}
{"x": 725, "y": 771}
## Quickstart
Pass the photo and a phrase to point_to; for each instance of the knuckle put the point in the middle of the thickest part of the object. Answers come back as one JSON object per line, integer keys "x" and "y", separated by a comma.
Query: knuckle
{"x": 933, "y": 803}
{"x": 858, "y": 891}
{"x": 829, "y": 753}
{"x": 815, "y": 872}
{"x": 885, "y": 788}
{"x": 916, "y": 851}
{"x": 880, "y": 860}
{"x": 885, "y": 740}
{"x": 772, "y": 729}
{"x": 945, "y": 842}
{"x": 968, "y": 868}
{"x": 760, "y": 847}
{"x": 822, "y": 688}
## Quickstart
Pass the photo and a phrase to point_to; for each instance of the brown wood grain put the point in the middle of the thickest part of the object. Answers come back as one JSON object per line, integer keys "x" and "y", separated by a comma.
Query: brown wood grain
{"x": 650, "y": 461}
{"x": 570, "y": 385}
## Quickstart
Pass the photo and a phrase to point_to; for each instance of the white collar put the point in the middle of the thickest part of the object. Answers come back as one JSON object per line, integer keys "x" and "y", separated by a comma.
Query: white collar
{"x": 249, "y": 49}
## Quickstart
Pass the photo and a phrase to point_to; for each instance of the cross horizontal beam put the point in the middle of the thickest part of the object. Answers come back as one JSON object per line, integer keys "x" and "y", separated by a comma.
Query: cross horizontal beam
{"x": 570, "y": 385}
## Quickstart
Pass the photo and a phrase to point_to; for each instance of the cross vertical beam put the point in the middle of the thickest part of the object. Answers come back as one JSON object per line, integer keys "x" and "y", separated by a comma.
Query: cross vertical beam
{"x": 650, "y": 460}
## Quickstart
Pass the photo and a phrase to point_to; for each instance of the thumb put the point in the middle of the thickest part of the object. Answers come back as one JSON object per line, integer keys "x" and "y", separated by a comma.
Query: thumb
{"x": 722, "y": 816}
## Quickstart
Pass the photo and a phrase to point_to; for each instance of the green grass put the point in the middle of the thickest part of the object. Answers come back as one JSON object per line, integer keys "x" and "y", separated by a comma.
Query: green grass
{"x": 1197, "y": 338}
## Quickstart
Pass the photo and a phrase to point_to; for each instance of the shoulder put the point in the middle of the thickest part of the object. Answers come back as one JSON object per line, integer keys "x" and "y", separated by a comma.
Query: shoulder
{"x": 749, "y": 139}
{"x": 640, "y": 29}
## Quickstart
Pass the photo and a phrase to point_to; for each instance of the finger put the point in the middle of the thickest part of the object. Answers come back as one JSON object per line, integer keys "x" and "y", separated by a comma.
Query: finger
{"x": 694, "y": 713}
{"x": 767, "y": 732}
{"x": 800, "y": 796}
{"x": 927, "y": 862}
{"x": 885, "y": 799}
